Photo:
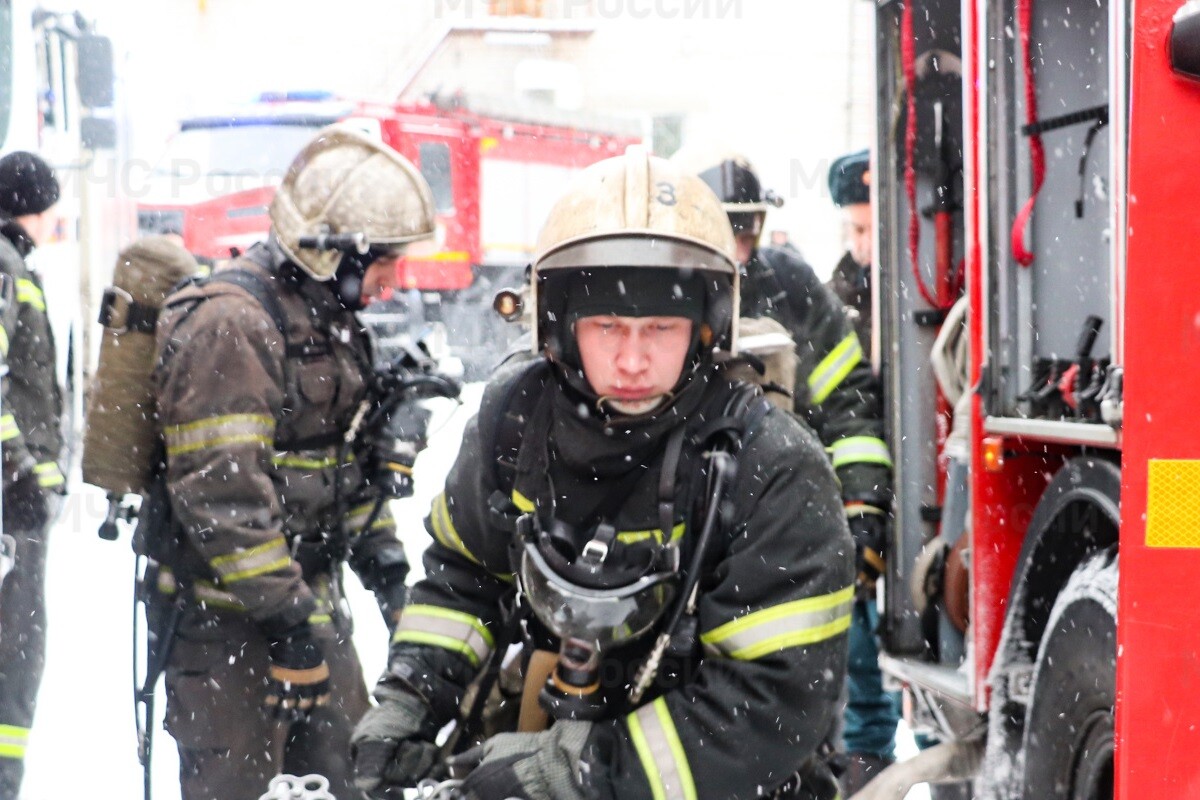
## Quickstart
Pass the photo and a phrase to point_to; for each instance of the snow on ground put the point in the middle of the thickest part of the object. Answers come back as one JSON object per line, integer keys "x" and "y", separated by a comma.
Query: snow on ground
{"x": 84, "y": 742}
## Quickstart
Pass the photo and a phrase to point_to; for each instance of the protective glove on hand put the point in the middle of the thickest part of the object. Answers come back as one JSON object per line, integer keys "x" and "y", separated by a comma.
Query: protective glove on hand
{"x": 870, "y": 543}
{"x": 298, "y": 675}
{"x": 391, "y": 600}
{"x": 530, "y": 766}
{"x": 393, "y": 744}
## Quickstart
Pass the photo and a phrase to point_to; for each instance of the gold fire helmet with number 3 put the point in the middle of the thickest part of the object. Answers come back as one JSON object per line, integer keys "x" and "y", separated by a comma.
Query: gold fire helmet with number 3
{"x": 638, "y": 211}
{"x": 346, "y": 182}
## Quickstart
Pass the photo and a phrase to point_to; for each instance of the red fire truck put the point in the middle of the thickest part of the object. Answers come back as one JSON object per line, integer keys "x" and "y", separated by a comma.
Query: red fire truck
{"x": 493, "y": 174}
{"x": 1038, "y": 612}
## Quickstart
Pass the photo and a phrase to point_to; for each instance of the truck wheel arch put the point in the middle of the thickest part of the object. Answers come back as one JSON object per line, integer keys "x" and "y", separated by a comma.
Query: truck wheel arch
{"x": 1083, "y": 497}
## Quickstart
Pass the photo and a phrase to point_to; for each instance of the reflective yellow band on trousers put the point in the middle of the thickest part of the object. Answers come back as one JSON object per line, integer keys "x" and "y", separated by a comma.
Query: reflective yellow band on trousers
{"x": 219, "y": 432}
{"x": 13, "y": 741}
{"x": 661, "y": 752}
{"x": 834, "y": 368}
{"x": 800, "y": 622}
{"x": 445, "y": 628}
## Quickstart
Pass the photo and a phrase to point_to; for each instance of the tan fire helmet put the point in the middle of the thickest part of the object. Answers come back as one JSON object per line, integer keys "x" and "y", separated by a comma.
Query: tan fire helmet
{"x": 637, "y": 210}
{"x": 345, "y": 182}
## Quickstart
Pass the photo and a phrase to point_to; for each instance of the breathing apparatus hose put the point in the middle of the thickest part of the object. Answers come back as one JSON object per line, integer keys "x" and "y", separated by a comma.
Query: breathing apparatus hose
{"x": 723, "y": 468}
{"x": 158, "y": 653}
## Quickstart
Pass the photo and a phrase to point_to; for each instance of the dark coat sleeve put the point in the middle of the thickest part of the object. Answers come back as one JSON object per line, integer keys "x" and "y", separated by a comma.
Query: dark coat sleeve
{"x": 220, "y": 391}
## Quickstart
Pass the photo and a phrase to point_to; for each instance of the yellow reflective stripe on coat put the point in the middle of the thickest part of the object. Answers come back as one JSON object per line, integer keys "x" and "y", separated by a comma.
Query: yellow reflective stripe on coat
{"x": 661, "y": 752}
{"x": 29, "y": 293}
{"x": 8, "y": 428}
{"x": 857, "y": 509}
{"x": 800, "y": 622}
{"x": 357, "y": 517}
{"x": 204, "y": 593}
{"x": 833, "y": 368}
{"x": 859, "y": 450}
{"x": 443, "y": 528}
{"x": 3, "y": 342}
{"x": 218, "y": 432}
{"x": 522, "y": 502}
{"x": 303, "y": 461}
{"x": 13, "y": 741}
{"x": 49, "y": 475}
{"x": 251, "y": 563}
{"x": 630, "y": 537}
{"x": 442, "y": 627}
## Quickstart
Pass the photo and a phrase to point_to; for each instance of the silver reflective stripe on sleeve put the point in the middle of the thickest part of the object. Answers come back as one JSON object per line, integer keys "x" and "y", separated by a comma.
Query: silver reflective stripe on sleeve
{"x": 800, "y": 622}
{"x": 450, "y": 630}
{"x": 8, "y": 428}
{"x": 219, "y": 432}
{"x": 826, "y": 376}
{"x": 661, "y": 752}
{"x": 29, "y": 293}
{"x": 49, "y": 475}
{"x": 251, "y": 563}
{"x": 444, "y": 530}
{"x": 859, "y": 450}
{"x": 357, "y": 517}
{"x": 13, "y": 741}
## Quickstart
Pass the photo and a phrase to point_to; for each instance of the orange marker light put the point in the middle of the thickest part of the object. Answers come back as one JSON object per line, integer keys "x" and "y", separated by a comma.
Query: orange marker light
{"x": 993, "y": 453}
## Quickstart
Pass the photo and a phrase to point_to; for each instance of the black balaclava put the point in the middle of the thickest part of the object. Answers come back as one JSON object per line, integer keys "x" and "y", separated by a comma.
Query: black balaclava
{"x": 620, "y": 291}
{"x": 592, "y": 439}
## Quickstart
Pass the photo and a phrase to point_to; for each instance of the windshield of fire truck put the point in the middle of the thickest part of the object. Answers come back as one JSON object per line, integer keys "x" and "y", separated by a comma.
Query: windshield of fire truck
{"x": 256, "y": 150}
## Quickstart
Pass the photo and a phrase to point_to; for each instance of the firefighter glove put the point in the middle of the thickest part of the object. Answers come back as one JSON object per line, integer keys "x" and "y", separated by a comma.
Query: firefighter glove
{"x": 870, "y": 543}
{"x": 529, "y": 766}
{"x": 391, "y": 599}
{"x": 393, "y": 745}
{"x": 298, "y": 675}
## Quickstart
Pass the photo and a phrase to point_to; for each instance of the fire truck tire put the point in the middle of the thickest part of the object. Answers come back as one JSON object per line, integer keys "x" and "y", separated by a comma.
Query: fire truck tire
{"x": 1069, "y": 727}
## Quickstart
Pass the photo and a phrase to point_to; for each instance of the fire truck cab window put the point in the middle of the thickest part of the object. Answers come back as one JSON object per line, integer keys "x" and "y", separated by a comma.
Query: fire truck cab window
{"x": 435, "y": 167}
{"x": 250, "y": 151}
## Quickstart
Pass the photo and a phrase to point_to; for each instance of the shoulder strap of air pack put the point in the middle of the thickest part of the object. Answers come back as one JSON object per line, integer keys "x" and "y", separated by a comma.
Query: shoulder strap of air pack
{"x": 502, "y": 426}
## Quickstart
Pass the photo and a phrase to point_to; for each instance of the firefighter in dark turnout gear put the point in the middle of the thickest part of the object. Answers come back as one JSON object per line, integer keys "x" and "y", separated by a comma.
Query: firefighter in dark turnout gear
{"x": 32, "y": 445}
{"x": 595, "y": 519}
{"x": 261, "y": 369}
{"x": 836, "y": 389}
{"x": 872, "y": 714}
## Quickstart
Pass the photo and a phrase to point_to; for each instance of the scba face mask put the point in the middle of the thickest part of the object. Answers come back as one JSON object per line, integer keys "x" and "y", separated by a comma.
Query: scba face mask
{"x": 609, "y": 593}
